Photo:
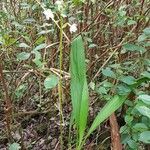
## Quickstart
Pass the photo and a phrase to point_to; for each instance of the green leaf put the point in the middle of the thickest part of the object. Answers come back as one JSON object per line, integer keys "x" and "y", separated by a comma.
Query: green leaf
{"x": 79, "y": 89}
{"x": 128, "y": 80}
{"x": 14, "y": 146}
{"x": 38, "y": 63}
{"x": 140, "y": 127}
{"x": 146, "y": 44}
{"x": 133, "y": 47}
{"x": 37, "y": 59}
{"x": 132, "y": 144}
{"x": 108, "y": 73}
{"x": 39, "y": 47}
{"x": 145, "y": 137}
{"x": 140, "y": 81}
{"x": 23, "y": 45}
{"x": 37, "y": 54}
{"x": 110, "y": 107}
{"x": 23, "y": 56}
{"x": 123, "y": 89}
{"x": 20, "y": 90}
{"x": 144, "y": 110}
{"x": 145, "y": 98}
{"x": 51, "y": 82}
{"x": 128, "y": 119}
{"x": 131, "y": 22}
{"x": 102, "y": 90}
{"x": 92, "y": 45}
{"x": 83, "y": 112}
{"x": 146, "y": 74}
{"x": 147, "y": 31}
{"x": 142, "y": 37}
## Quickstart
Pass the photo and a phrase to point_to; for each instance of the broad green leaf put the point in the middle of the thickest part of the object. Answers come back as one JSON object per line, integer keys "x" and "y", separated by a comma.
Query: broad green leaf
{"x": 131, "y": 22}
{"x": 51, "y": 82}
{"x": 145, "y": 137}
{"x": 14, "y": 146}
{"x": 79, "y": 89}
{"x": 123, "y": 89}
{"x": 128, "y": 80}
{"x": 145, "y": 98}
{"x": 142, "y": 37}
{"x": 128, "y": 119}
{"x": 125, "y": 137}
{"x": 37, "y": 54}
{"x": 23, "y": 45}
{"x": 38, "y": 63}
{"x": 146, "y": 44}
{"x": 23, "y": 56}
{"x": 108, "y": 73}
{"x": 140, "y": 127}
{"x": 39, "y": 47}
{"x": 140, "y": 81}
{"x": 144, "y": 110}
{"x": 147, "y": 31}
{"x": 37, "y": 59}
{"x": 102, "y": 90}
{"x": 146, "y": 74}
{"x": 107, "y": 84}
{"x": 106, "y": 111}
{"x": 20, "y": 90}
{"x": 132, "y": 144}
{"x": 133, "y": 47}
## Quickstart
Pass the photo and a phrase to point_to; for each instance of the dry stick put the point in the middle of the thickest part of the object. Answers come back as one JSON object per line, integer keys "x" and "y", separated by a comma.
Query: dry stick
{"x": 8, "y": 105}
{"x": 60, "y": 90}
{"x": 115, "y": 136}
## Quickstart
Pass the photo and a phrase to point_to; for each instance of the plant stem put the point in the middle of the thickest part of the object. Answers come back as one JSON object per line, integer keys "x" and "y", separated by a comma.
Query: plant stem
{"x": 60, "y": 81}
{"x": 8, "y": 105}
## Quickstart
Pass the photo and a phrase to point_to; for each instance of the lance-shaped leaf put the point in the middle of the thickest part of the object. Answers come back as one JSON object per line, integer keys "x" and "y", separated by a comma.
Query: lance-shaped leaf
{"x": 79, "y": 88}
{"x": 106, "y": 111}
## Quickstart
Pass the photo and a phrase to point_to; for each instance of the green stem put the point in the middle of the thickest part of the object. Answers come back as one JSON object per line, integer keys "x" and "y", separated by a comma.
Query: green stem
{"x": 60, "y": 81}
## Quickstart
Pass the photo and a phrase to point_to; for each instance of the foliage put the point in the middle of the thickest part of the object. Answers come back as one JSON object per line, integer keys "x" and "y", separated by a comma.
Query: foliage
{"x": 79, "y": 88}
{"x": 136, "y": 129}
{"x": 107, "y": 44}
{"x": 14, "y": 146}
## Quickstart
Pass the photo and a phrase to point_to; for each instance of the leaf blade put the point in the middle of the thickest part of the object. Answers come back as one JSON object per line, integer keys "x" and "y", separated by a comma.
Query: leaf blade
{"x": 106, "y": 111}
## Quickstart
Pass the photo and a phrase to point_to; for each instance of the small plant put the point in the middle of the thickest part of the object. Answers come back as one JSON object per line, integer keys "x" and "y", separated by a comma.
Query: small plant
{"x": 80, "y": 97}
{"x": 137, "y": 118}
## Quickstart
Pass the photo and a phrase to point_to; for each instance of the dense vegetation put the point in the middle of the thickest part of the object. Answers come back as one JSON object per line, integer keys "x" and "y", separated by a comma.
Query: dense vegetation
{"x": 75, "y": 74}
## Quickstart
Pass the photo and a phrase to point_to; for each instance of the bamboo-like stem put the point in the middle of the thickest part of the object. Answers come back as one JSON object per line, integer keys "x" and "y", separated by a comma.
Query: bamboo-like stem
{"x": 60, "y": 81}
